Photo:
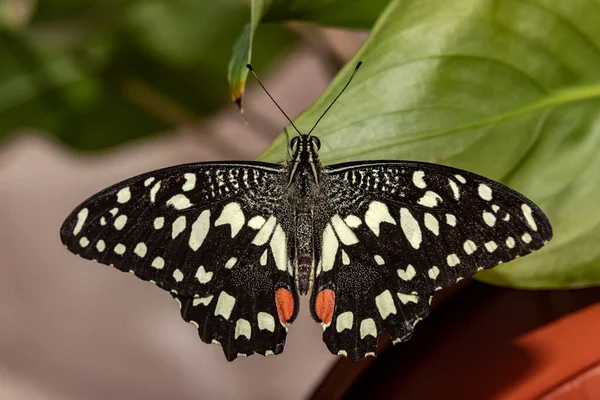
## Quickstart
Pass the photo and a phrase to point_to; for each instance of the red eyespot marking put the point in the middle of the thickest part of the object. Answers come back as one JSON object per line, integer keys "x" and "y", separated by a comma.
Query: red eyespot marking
{"x": 324, "y": 305}
{"x": 285, "y": 304}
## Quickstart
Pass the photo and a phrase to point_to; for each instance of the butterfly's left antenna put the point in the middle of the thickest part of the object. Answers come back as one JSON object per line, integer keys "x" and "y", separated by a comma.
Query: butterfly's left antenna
{"x": 336, "y": 97}
{"x": 271, "y": 97}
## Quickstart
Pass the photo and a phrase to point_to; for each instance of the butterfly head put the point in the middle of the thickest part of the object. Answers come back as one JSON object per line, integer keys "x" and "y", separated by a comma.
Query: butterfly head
{"x": 305, "y": 148}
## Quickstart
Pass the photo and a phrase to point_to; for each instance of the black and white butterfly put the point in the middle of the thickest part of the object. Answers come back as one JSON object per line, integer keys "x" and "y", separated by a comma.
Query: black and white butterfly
{"x": 236, "y": 243}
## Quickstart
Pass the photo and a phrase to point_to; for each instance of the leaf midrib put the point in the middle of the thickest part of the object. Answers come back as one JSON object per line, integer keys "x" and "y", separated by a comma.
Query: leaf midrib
{"x": 556, "y": 99}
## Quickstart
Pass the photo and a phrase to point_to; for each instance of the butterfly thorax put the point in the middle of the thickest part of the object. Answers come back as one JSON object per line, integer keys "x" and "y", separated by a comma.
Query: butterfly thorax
{"x": 303, "y": 186}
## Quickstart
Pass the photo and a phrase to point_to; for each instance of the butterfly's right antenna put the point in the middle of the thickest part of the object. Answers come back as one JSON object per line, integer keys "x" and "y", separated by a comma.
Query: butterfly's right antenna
{"x": 271, "y": 97}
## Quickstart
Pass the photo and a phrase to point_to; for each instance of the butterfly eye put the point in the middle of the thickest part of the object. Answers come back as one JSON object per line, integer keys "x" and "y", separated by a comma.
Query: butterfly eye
{"x": 315, "y": 142}
{"x": 294, "y": 143}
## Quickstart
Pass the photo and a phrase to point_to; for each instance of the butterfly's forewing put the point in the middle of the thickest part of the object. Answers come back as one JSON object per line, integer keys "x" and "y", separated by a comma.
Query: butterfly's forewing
{"x": 395, "y": 232}
{"x": 213, "y": 234}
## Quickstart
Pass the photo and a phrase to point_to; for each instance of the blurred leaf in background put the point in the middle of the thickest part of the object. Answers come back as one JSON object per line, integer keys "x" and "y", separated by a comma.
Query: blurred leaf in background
{"x": 98, "y": 73}
{"x": 354, "y": 14}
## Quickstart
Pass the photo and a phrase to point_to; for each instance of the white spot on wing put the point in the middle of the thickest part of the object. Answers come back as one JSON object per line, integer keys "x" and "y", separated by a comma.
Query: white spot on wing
{"x": 408, "y": 298}
{"x": 376, "y": 214}
{"x": 81, "y": 217}
{"x": 232, "y": 214}
{"x": 379, "y": 260}
{"x": 526, "y": 237}
{"x": 202, "y": 300}
{"x": 266, "y": 322}
{"x": 485, "y": 192}
{"x": 385, "y": 304}
{"x": 418, "y": 179}
{"x": 140, "y": 249}
{"x": 450, "y": 219}
{"x": 179, "y": 202}
{"x": 102, "y": 221}
{"x": 344, "y": 321}
{"x": 190, "y": 182}
{"x": 120, "y": 222}
{"x": 345, "y": 258}
{"x": 489, "y": 218}
{"x": 527, "y": 212}
{"x": 83, "y": 242}
{"x": 495, "y": 208}
{"x": 154, "y": 191}
{"x": 345, "y": 234}
{"x": 264, "y": 258}
{"x": 352, "y": 221}
{"x": 455, "y": 189}
{"x": 203, "y": 276}
{"x": 410, "y": 227}
{"x": 278, "y": 246}
{"x": 225, "y": 304}
{"x": 120, "y": 249}
{"x": 407, "y": 274}
{"x": 469, "y": 247}
{"x": 330, "y": 248}
{"x": 230, "y": 263}
{"x": 242, "y": 328}
{"x": 367, "y": 327}
{"x": 124, "y": 195}
{"x": 430, "y": 199}
{"x": 432, "y": 224}
{"x": 178, "y": 226}
{"x": 452, "y": 260}
{"x": 158, "y": 263}
{"x": 100, "y": 245}
{"x": 114, "y": 211}
{"x": 148, "y": 181}
{"x": 159, "y": 222}
{"x": 510, "y": 242}
{"x": 256, "y": 222}
{"x": 491, "y": 246}
{"x": 199, "y": 230}
{"x": 264, "y": 234}
{"x": 460, "y": 178}
{"x": 433, "y": 272}
{"x": 178, "y": 275}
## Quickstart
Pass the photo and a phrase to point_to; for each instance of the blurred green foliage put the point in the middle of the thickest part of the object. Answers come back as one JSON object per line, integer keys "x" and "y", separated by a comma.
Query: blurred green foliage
{"x": 97, "y": 73}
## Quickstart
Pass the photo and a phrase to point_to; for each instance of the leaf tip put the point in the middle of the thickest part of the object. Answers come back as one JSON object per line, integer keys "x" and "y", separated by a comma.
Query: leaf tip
{"x": 236, "y": 96}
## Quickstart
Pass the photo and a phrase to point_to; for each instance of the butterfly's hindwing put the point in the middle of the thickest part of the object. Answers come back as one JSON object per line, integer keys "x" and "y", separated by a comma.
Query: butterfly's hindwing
{"x": 213, "y": 234}
{"x": 395, "y": 232}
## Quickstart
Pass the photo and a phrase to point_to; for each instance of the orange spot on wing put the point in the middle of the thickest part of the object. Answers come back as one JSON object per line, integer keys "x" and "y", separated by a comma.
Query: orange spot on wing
{"x": 284, "y": 299}
{"x": 324, "y": 305}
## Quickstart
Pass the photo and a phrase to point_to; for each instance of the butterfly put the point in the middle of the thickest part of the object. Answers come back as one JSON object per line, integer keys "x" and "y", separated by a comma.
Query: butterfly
{"x": 236, "y": 243}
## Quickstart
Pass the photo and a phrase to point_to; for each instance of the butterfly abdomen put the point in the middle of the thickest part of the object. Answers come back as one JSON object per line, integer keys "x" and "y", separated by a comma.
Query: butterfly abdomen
{"x": 304, "y": 250}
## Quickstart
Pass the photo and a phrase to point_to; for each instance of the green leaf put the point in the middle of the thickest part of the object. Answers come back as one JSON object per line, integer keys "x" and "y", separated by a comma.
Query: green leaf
{"x": 507, "y": 89}
{"x": 242, "y": 52}
{"x": 96, "y": 74}
{"x": 355, "y": 14}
